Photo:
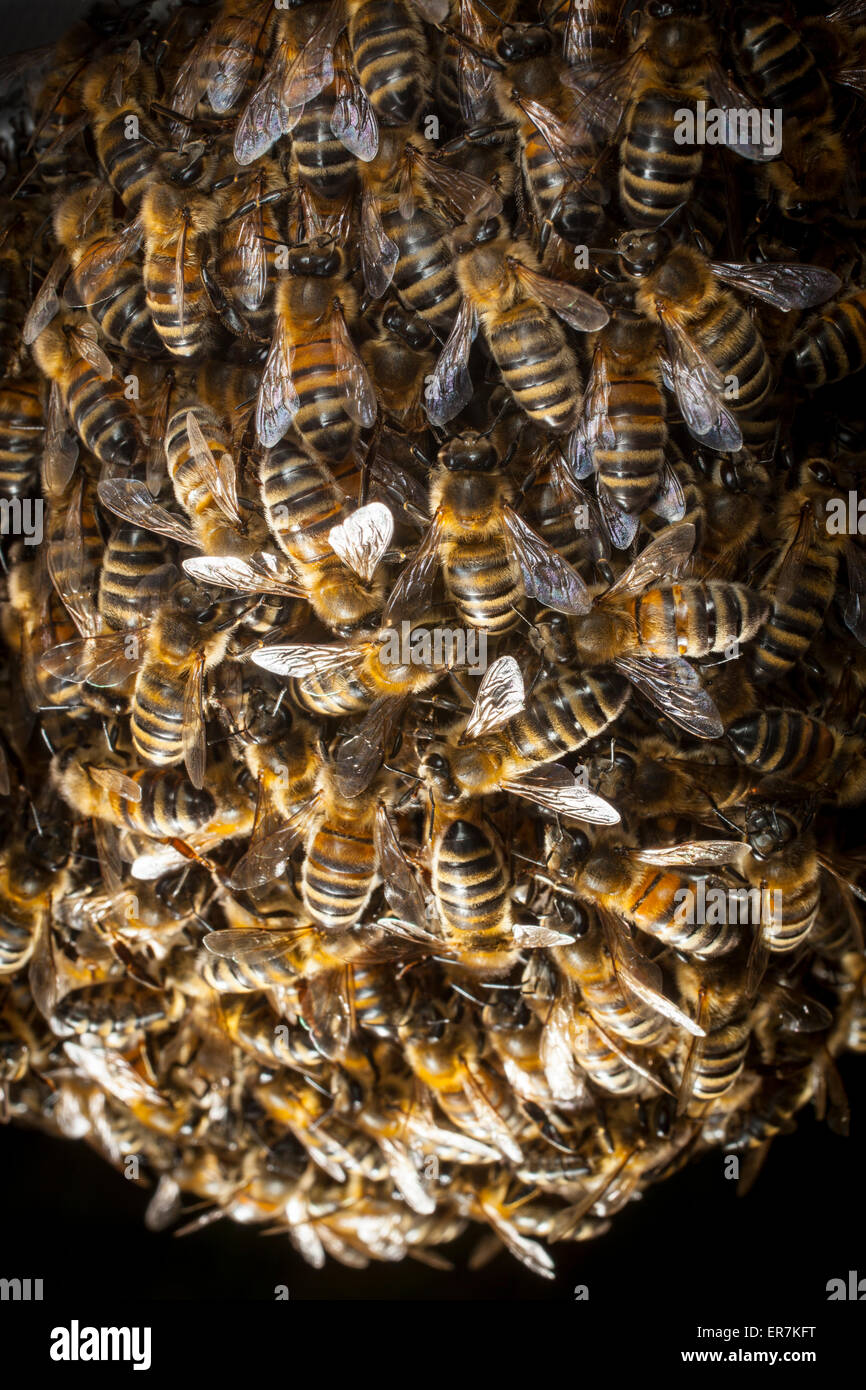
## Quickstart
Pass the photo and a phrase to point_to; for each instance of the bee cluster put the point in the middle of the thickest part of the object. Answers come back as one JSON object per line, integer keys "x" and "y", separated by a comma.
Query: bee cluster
{"x": 431, "y": 712}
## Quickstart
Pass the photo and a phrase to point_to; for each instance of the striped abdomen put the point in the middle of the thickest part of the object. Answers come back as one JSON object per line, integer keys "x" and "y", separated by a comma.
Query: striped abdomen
{"x": 115, "y": 1013}
{"x": 721, "y": 1061}
{"x": 656, "y": 173}
{"x": 795, "y": 745}
{"x": 160, "y": 289}
{"x": 323, "y": 162}
{"x": 101, "y": 414}
{"x": 216, "y": 535}
{"x": 130, "y": 162}
{"x": 339, "y": 872}
{"x": 386, "y": 42}
{"x": 630, "y": 470}
{"x": 536, "y": 363}
{"x": 424, "y": 273}
{"x": 131, "y": 558}
{"x": 658, "y": 901}
{"x": 797, "y": 616}
{"x": 483, "y": 582}
{"x": 321, "y": 420}
{"x": 156, "y": 718}
{"x": 21, "y": 432}
{"x": 471, "y": 887}
{"x": 117, "y": 301}
{"x": 170, "y": 805}
{"x": 782, "y": 69}
{"x": 696, "y": 617}
{"x": 722, "y": 327}
{"x": 561, "y": 715}
{"x": 604, "y": 1066}
{"x": 832, "y": 344}
{"x": 589, "y": 964}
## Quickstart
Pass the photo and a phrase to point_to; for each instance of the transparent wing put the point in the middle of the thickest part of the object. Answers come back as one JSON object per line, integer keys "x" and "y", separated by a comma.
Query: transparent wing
{"x": 220, "y": 479}
{"x": 500, "y": 696}
{"x": 360, "y": 754}
{"x": 556, "y": 789}
{"x": 402, "y": 892}
{"x": 114, "y": 1074}
{"x": 326, "y": 998}
{"x": 462, "y": 194}
{"x": 641, "y": 977}
{"x": 60, "y": 453}
{"x": 414, "y": 588}
{"x": 84, "y": 340}
{"x": 245, "y": 576}
{"x": 546, "y": 576}
{"x": 105, "y": 660}
{"x": 576, "y": 308}
{"x": 116, "y": 782}
{"x": 785, "y": 285}
{"x": 743, "y": 135}
{"x": 132, "y": 501}
{"x": 699, "y": 387}
{"x": 353, "y": 120}
{"x": 84, "y": 286}
{"x": 295, "y": 662}
{"x": 622, "y": 527}
{"x": 379, "y": 254}
{"x": 363, "y": 538}
{"x": 449, "y": 389}
{"x": 46, "y": 305}
{"x": 313, "y": 68}
{"x": 254, "y": 946}
{"x": 666, "y": 556}
{"x": 669, "y": 502}
{"x": 488, "y": 1118}
{"x": 529, "y": 1252}
{"x": 193, "y": 733}
{"x": 674, "y": 688}
{"x": 278, "y": 401}
{"x": 264, "y": 118}
{"x": 249, "y": 243}
{"x": 692, "y": 854}
{"x": 359, "y": 398}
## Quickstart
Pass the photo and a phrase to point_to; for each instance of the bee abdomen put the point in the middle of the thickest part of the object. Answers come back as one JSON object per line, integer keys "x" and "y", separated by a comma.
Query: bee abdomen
{"x": 323, "y": 161}
{"x": 321, "y": 419}
{"x": 385, "y": 46}
{"x": 721, "y": 1061}
{"x": 482, "y": 582}
{"x": 424, "y": 273}
{"x": 102, "y": 417}
{"x": 470, "y": 881}
{"x": 170, "y": 804}
{"x": 832, "y": 344}
{"x": 536, "y": 365}
{"x": 338, "y": 876}
{"x": 156, "y": 718}
{"x": 631, "y": 468}
{"x": 657, "y": 174}
{"x": 21, "y": 434}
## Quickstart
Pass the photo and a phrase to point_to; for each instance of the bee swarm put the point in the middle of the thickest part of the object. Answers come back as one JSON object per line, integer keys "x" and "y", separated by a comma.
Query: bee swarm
{"x": 433, "y": 622}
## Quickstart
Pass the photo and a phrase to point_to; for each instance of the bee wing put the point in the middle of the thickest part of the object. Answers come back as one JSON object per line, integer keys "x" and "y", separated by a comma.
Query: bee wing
{"x": 401, "y": 1166}
{"x": 529, "y": 1252}
{"x": 488, "y": 1118}
{"x": 353, "y": 120}
{"x": 193, "y": 733}
{"x": 220, "y": 479}
{"x": 855, "y": 78}
{"x": 787, "y": 578}
{"x": 695, "y": 1053}
{"x": 464, "y": 195}
{"x": 60, "y": 452}
{"x": 245, "y": 576}
{"x": 698, "y": 387}
{"x": 114, "y": 1074}
{"x": 106, "y": 837}
{"x": 599, "y": 429}
{"x": 531, "y": 936}
{"x": 854, "y": 610}
{"x": 621, "y": 527}
{"x": 106, "y": 660}
{"x": 561, "y": 138}
{"x": 82, "y": 289}
{"x": 674, "y": 688}
{"x": 640, "y": 977}
{"x": 249, "y": 244}
{"x": 46, "y": 305}
{"x": 363, "y": 538}
{"x": 132, "y": 501}
{"x": 75, "y": 587}
{"x": 42, "y": 974}
{"x": 692, "y": 854}
{"x": 113, "y": 780}
{"x": 434, "y": 11}
{"x": 500, "y": 696}
{"x": 402, "y": 893}
{"x": 359, "y": 398}
{"x": 561, "y": 1071}
{"x": 84, "y": 338}
{"x": 546, "y": 576}
{"x": 414, "y": 587}
{"x": 797, "y": 1013}
{"x": 748, "y": 142}
{"x": 575, "y": 307}
{"x": 670, "y": 501}
{"x": 278, "y": 401}
{"x": 265, "y": 117}
{"x": 252, "y": 945}
{"x": 556, "y": 789}
{"x": 786, "y": 286}
{"x": 225, "y": 67}
{"x": 449, "y": 388}
{"x": 666, "y": 556}
{"x": 360, "y": 753}
{"x": 326, "y": 998}
{"x": 379, "y": 254}
{"x": 295, "y": 662}
{"x": 313, "y": 68}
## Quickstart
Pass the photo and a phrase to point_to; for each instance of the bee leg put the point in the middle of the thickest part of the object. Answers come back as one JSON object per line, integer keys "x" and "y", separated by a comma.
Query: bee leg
{"x": 227, "y": 314}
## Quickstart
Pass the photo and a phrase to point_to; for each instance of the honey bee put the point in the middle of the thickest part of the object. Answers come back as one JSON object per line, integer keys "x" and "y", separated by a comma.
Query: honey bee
{"x": 508, "y": 297}
{"x": 399, "y": 358}
{"x": 716, "y": 354}
{"x": 117, "y": 1014}
{"x": 799, "y": 748}
{"x": 254, "y": 1026}
{"x": 68, "y": 352}
{"x": 831, "y": 345}
{"x": 178, "y": 227}
{"x": 33, "y": 872}
{"x": 245, "y": 256}
{"x": 714, "y": 1062}
{"x": 105, "y": 278}
{"x": 129, "y": 160}
{"x": 444, "y": 1054}
{"x": 35, "y": 622}
{"x": 313, "y": 377}
{"x": 22, "y": 435}
{"x": 471, "y": 882}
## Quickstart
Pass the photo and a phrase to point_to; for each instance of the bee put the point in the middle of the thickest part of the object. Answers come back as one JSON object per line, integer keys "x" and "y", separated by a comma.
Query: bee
{"x": 443, "y": 1053}
{"x": 335, "y": 552}
{"x": 508, "y": 297}
{"x": 221, "y": 60}
{"x": 22, "y": 435}
{"x": 246, "y": 249}
{"x": 788, "y": 884}
{"x": 117, "y": 1014}
{"x": 777, "y": 63}
{"x": 660, "y": 780}
{"x": 716, "y": 354}
{"x": 159, "y": 802}
{"x": 254, "y": 1026}
{"x": 33, "y": 873}
{"x": 105, "y": 277}
{"x": 389, "y": 50}
{"x": 488, "y": 555}
{"x": 68, "y": 352}
{"x": 801, "y": 749}
{"x": 187, "y": 638}
{"x": 515, "y": 1036}
{"x": 313, "y": 377}
{"x": 717, "y": 993}
{"x": 624, "y": 409}
{"x": 202, "y": 472}
{"x": 399, "y": 358}
{"x": 831, "y": 345}
{"x": 471, "y": 888}
{"x": 40, "y": 622}
{"x": 128, "y": 145}
{"x": 178, "y": 227}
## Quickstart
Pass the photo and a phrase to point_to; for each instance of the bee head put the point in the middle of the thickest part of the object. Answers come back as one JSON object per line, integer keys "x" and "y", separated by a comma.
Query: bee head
{"x": 409, "y": 328}
{"x": 641, "y": 252}
{"x": 519, "y": 42}
{"x": 468, "y": 452}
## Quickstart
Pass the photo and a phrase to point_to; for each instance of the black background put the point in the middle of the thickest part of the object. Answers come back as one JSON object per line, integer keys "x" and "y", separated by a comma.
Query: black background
{"x": 690, "y": 1251}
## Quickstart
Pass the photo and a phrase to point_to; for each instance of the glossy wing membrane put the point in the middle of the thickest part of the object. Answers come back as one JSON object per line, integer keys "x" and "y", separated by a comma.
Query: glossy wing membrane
{"x": 665, "y": 557}
{"x": 363, "y": 538}
{"x": 500, "y": 696}
{"x": 278, "y": 401}
{"x": 359, "y": 398}
{"x": 674, "y": 687}
{"x": 353, "y": 120}
{"x": 576, "y": 308}
{"x": 379, "y": 254}
{"x": 556, "y": 789}
{"x": 132, "y": 501}
{"x": 546, "y": 576}
{"x": 786, "y": 285}
{"x": 402, "y": 892}
{"x": 449, "y": 389}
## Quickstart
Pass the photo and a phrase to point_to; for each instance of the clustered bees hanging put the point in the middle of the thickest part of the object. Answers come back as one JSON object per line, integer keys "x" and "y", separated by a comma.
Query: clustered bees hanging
{"x": 433, "y": 606}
